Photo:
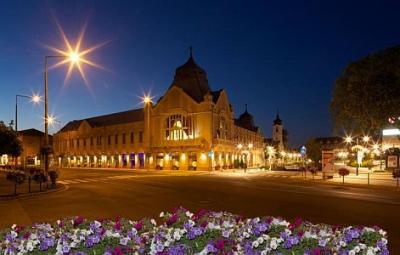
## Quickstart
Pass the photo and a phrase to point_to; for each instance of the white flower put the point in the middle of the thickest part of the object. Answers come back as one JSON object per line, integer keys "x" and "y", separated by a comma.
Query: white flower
{"x": 29, "y": 246}
{"x": 191, "y": 223}
{"x": 255, "y": 244}
{"x": 153, "y": 222}
{"x": 162, "y": 214}
{"x": 382, "y": 232}
{"x": 352, "y": 252}
{"x": 97, "y": 224}
{"x": 357, "y": 249}
{"x": 189, "y": 214}
{"x": 177, "y": 235}
{"x": 384, "y": 241}
{"x": 260, "y": 240}
{"x": 343, "y": 244}
{"x": 273, "y": 244}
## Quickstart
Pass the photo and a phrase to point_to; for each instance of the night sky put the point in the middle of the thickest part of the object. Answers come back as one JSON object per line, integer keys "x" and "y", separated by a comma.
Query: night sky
{"x": 268, "y": 54}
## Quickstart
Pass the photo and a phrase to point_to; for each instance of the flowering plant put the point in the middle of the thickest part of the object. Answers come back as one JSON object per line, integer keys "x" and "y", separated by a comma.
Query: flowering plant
{"x": 182, "y": 232}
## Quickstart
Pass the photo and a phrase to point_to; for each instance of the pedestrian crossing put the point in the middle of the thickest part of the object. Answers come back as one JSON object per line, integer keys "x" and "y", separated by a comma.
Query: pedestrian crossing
{"x": 100, "y": 179}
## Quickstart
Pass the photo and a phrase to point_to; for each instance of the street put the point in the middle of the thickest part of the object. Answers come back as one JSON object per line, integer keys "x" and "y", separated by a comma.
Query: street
{"x": 138, "y": 193}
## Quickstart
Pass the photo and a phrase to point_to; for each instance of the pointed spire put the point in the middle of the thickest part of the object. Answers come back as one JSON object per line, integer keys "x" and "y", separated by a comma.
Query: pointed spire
{"x": 191, "y": 52}
{"x": 277, "y": 120}
{"x": 245, "y": 107}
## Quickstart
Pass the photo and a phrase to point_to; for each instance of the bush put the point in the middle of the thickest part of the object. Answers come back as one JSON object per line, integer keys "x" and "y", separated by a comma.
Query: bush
{"x": 17, "y": 177}
{"x": 182, "y": 232}
{"x": 343, "y": 172}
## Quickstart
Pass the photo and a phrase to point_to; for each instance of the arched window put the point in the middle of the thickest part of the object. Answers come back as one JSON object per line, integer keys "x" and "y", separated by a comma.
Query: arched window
{"x": 178, "y": 127}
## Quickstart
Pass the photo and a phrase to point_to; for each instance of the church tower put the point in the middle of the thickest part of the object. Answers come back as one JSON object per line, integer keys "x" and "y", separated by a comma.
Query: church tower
{"x": 277, "y": 132}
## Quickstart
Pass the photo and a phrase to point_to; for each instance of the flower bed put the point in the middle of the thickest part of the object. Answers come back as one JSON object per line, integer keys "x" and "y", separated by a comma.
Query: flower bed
{"x": 181, "y": 232}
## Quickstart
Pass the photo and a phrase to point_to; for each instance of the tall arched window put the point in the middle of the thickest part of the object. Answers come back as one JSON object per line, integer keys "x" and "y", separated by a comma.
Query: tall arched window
{"x": 178, "y": 127}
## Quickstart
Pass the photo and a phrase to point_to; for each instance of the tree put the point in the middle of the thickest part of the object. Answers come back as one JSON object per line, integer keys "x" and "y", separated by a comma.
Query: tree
{"x": 367, "y": 94}
{"x": 314, "y": 150}
{"x": 9, "y": 142}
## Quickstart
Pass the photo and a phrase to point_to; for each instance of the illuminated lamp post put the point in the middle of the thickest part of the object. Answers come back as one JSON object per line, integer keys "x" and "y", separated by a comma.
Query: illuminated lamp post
{"x": 34, "y": 99}
{"x": 75, "y": 56}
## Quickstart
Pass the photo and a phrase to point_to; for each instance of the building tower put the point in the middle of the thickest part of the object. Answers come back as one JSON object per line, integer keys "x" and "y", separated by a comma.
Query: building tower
{"x": 277, "y": 132}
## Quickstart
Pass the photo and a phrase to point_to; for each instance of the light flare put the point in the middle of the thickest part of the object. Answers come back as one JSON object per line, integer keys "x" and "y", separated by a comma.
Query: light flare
{"x": 74, "y": 55}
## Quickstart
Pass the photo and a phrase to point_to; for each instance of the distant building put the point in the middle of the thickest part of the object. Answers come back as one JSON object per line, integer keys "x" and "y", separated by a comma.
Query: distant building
{"x": 32, "y": 140}
{"x": 278, "y": 139}
{"x": 190, "y": 127}
{"x": 277, "y": 133}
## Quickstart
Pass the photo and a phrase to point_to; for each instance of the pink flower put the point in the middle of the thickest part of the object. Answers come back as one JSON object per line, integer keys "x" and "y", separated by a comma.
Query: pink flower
{"x": 117, "y": 225}
{"x": 78, "y": 220}
{"x": 27, "y": 235}
{"x": 220, "y": 245}
{"x": 138, "y": 226}
{"x": 172, "y": 220}
{"x": 117, "y": 251}
{"x": 204, "y": 224}
{"x": 316, "y": 251}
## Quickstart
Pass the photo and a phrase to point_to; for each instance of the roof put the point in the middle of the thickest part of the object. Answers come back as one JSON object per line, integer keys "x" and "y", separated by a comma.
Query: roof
{"x": 31, "y": 132}
{"x": 277, "y": 120}
{"x": 246, "y": 120}
{"x": 216, "y": 94}
{"x": 192, "y": 79}
{"x": 107, "y": 120}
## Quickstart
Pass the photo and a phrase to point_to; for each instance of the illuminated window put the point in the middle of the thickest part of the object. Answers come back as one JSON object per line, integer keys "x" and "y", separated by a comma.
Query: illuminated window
{"x": 222, "y": 131}
{"x": 178, "y": 127}
{"x": 123, "y": 138}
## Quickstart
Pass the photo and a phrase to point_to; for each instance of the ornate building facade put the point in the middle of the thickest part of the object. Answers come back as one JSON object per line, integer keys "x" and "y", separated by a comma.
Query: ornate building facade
{"x": 190, "y": 127}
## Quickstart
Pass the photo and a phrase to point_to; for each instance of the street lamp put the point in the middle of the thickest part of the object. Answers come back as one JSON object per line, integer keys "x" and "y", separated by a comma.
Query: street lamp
{"x": 35, "y": 99}
{"x": 75, "y": 56}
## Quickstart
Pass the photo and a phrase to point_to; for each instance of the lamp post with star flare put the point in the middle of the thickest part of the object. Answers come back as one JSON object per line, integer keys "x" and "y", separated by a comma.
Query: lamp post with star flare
{"x": 76, "y": 58}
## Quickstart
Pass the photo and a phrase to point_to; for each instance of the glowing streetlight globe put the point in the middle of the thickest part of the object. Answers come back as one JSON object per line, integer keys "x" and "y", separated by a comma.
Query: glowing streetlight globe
{"x": 74, "y": 57}
{"x": 35, "y": 99}
{"x": 366, "y": 138}
{"x": 348, "y": 139}
{"x": 146, "y": 99}
{"x": 51, "y": 120}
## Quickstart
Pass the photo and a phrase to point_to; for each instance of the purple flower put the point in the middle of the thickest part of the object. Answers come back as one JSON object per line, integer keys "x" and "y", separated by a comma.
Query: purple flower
{"x": 177, "y": 250}
{"x": 65, "y": 249}
{"x": 225, "y": 233}
{"x": 89, "y": 242}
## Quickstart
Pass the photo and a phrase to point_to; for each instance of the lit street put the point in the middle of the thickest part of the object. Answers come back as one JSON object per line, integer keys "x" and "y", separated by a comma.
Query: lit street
{"x": 138, "y": 193}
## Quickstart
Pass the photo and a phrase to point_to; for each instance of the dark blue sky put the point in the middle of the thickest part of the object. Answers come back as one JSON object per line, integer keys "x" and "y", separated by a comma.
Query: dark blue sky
{"x": 269, "y": 54}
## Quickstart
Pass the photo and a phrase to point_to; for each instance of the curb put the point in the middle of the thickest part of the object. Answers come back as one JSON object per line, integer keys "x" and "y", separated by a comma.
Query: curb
{"x": 61, "y": 188}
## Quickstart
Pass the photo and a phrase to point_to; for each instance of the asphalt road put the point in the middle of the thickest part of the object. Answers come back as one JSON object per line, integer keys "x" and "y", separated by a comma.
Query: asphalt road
{"x": 110, "y": 193}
